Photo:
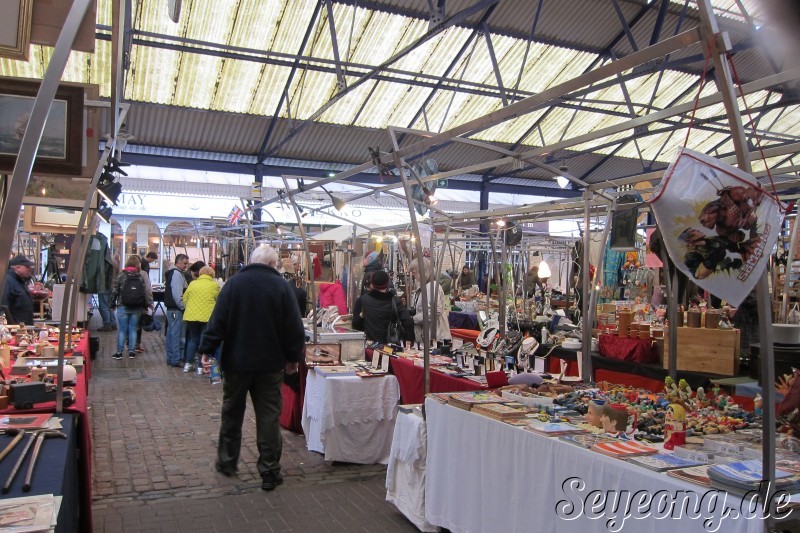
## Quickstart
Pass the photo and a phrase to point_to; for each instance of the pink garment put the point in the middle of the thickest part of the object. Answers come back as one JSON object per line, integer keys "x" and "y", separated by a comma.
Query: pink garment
{"x": 333, "y": 294}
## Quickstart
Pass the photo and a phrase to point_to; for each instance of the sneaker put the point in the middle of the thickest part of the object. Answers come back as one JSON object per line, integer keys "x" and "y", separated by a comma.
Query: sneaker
{"x": 199, "y": 370}
{"x": 113, "y": 327}
{"x": 188, "y": 367}
{"x": 105, "y": 328}
{"x": 117, "y": 356}
{"x": 138, "y": 349}
{"x": 270, "y": 480}
{"x": 131, "y": 355}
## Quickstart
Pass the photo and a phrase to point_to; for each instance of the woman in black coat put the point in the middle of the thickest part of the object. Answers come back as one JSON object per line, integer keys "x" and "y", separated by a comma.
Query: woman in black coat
{"x": 373, "y": 311}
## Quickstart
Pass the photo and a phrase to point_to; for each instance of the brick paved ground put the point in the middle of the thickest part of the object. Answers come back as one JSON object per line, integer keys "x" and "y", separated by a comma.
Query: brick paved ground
{"x": 154, "y": 433}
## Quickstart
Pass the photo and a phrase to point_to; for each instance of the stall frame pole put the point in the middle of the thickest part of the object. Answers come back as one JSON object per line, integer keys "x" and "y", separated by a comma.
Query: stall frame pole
{"x": 717, "y": 45}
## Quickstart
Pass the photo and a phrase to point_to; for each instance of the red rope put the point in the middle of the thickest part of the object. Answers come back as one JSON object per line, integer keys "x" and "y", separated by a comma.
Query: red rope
{"x": 752, "y": 124}
{"x": 699, "y": 90}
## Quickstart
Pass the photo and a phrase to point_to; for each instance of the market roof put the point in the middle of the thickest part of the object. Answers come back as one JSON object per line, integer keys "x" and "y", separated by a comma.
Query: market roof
{"x": 241, "y": 82}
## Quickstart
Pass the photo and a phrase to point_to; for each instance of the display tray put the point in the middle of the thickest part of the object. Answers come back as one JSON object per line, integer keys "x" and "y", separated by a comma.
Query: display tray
{"x": 22, "y": 366}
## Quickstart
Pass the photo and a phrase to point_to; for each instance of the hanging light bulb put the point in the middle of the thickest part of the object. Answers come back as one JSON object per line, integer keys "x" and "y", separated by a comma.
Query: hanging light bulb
{"x": 544, "y": 270}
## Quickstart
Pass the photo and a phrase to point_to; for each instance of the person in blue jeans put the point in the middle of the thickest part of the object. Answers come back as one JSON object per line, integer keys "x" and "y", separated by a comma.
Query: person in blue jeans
{"x": 173, "y": 298}
{"x": 129, "y": 306}
{"x": 109, "y": 319}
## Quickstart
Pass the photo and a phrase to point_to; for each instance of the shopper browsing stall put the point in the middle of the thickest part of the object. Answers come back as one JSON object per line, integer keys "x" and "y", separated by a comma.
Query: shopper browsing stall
{"x": 375, "y": 310}
{"x": 257, "y": 322}
{"x": 17, "y": 300}
{"x": 435, "y": 294}
{"x": 130, "y": 296}
{"x": 200, "y": 298}
{"x": 173, "y": 297}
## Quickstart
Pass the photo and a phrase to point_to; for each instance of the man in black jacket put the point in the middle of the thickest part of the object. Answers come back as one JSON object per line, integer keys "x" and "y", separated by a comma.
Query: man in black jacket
{"x": 16, "y": 298}
{"x": 257, "y": 321}
{"x": 373, "y": 311}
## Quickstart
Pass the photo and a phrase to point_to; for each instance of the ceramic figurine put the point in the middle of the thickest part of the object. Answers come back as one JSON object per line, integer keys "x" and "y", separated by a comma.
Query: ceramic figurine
{"x": 757, "y": 401}
{"x": 674, "y": 427}
{"x": 594, "y": 414}
{"x": 684, "y": 391}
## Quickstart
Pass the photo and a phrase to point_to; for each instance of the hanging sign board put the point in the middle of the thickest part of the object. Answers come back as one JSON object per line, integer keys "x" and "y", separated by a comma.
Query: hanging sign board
{"x": 718, "y": 225}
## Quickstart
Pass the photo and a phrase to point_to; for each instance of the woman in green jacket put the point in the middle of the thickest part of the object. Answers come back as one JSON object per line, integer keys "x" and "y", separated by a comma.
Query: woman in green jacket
{"x": 200, "y": 298}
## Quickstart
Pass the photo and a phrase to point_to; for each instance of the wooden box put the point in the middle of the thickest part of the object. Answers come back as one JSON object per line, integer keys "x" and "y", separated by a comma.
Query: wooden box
{"x": 713, "y": 351}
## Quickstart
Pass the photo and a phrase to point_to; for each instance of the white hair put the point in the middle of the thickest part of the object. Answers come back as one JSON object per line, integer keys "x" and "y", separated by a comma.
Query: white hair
{"x": 265, "y": 255}
{"x": 425, "y": 274}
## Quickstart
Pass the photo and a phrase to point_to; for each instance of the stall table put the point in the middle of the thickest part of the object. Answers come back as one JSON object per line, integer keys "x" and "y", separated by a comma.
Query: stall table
{"x": 512, "y": 480}
{"x": 350, "y": 419}
{"x": 55, "y": 472}
{"x": 405, "y": 473}
{"x": 412, "y": 381}
{"x": 83, "y": 433}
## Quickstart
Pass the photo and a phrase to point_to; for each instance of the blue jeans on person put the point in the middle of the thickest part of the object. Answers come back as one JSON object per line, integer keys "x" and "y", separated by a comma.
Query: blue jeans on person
{"x": 105, "y": 313}
{"x": 194, "y": 330}
{"x": 128, "y": 318}
{"x": 176, "y": 337}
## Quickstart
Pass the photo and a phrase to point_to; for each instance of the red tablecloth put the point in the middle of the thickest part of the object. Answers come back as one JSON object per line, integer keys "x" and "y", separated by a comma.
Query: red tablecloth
{"x": 468, "y": 335}
{"x": 292, "y": 410}
{"x": 84, "y": 433}
{"x": 624, "y": 349}
{"x": 412, "y": 381}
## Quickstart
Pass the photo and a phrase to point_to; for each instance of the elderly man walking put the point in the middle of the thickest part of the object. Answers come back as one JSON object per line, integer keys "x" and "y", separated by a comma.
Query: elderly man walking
{"x": 257, "y": 321}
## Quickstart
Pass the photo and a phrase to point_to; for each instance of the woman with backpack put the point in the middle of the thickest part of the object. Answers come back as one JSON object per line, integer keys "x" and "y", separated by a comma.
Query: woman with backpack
{"x": 130, "y": 296}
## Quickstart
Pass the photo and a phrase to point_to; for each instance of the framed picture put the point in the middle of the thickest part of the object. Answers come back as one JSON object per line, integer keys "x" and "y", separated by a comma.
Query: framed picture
{"x": 61, "y": 149}
{"x": 44, "y": 219}
{"x": 59, "y": 192}
{"x": 15, "y": 28}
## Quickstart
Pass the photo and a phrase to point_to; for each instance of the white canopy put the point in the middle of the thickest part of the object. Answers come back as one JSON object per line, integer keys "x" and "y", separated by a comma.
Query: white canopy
{"x": 341, "y": 233}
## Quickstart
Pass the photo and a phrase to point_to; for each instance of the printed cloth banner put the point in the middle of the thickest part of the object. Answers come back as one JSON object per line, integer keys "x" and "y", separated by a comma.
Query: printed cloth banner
{"x": 718, "y": 225}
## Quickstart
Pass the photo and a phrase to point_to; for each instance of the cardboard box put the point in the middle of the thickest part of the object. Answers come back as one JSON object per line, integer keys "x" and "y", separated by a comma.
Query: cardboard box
{"x": 713, "y": 351}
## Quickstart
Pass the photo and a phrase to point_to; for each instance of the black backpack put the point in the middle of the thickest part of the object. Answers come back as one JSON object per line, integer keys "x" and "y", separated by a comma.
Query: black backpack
{"x": 132, "y": 290}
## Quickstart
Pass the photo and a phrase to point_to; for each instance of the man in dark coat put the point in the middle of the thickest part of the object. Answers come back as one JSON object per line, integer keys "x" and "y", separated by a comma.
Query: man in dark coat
{"x": 257, "y": 321}
{"x": 17, "y": 300}
{"x": 373, "y": 311}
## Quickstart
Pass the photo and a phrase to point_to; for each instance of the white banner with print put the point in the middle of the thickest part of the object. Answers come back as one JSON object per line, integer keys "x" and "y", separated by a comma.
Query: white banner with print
{"x": 718, "y": 225}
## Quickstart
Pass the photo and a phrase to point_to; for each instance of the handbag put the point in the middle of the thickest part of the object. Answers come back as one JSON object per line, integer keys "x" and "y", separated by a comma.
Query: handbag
{"x": 395, "y": 332}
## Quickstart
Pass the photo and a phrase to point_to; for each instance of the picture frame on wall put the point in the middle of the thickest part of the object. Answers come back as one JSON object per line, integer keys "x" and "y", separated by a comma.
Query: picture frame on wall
{"x": 64, "y": 191}
{"x": 61, "y": 149}
{"x": 15, "y": 28}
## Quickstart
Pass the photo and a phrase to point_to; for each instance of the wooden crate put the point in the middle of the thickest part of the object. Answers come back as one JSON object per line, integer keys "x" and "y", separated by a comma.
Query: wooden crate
{"x": 713, "y": 351}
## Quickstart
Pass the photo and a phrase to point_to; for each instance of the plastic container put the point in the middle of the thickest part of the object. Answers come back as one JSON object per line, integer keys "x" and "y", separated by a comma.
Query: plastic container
{"x": 214, "y": 375}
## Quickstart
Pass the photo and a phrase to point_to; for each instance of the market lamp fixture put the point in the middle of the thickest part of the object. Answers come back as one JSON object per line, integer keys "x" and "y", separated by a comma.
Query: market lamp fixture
{"x": 338, "y": 203}
{"x": 104, "y": 212}
{"x": 562, "y": 179}
{"x": 110, "y": 191}
{"x": 430, "y": 199}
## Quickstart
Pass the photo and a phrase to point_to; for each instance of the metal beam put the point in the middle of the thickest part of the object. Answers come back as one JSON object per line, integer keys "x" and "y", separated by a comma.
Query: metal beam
{"x": 461, "y": 15}
{"x": 488, "y": 38}
{"x": 662, "y": 11}
{"x": 625, "y": 26}
{"x": 341, "y": 83}
{"x": 285, "y": 94}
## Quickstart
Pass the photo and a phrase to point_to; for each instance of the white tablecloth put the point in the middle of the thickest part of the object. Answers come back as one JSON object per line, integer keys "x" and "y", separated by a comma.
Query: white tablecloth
{"x": 484, "y": 476}
{"x": 350, "y": 419}
{"x": 405, "y": 474}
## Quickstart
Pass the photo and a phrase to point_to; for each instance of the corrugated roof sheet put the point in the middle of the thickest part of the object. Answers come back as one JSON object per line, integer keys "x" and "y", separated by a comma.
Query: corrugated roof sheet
{"x": 213, "y": 81}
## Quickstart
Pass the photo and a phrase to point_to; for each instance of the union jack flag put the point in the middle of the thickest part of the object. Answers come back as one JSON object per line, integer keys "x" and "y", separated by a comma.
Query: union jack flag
{"x": 235, "y": 215}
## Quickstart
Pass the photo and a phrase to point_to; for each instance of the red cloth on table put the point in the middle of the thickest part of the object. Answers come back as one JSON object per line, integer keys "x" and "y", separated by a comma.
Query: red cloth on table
{"x": 292, "y": 411}
{"x": 468, "y": 335}
{"x": 632, "y": 350}
{"x": 80, "y": 407}
{"x": 411, "y": 379}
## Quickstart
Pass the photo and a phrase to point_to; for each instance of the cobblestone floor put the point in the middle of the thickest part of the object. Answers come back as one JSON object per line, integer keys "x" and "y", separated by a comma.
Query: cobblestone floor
{"x": 154, "y": 433}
